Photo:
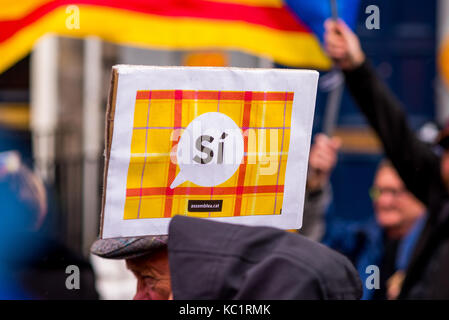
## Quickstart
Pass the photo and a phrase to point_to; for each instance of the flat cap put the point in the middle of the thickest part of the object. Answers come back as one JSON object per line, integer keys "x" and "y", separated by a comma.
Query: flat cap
{"x": 128, "y": 248}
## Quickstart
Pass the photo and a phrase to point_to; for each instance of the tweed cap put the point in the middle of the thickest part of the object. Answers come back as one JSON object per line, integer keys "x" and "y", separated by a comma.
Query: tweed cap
{"x": 127, "y": 248}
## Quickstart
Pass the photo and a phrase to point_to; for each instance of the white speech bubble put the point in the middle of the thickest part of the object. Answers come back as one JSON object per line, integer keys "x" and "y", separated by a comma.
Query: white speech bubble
{"x": 210, "y": 150}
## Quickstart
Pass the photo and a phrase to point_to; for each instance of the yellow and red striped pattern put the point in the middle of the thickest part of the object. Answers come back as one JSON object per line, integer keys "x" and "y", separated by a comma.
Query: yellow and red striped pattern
{"x": 160, "y": 117}
{"x": 261, "y": 27}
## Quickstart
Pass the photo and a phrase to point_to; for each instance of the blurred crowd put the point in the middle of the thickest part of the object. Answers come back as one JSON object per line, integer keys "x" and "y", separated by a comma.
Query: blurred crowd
{"x": 406, "y": 241}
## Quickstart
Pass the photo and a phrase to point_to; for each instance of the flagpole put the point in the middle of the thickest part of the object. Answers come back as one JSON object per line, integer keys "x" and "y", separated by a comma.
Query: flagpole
{"x": 335, "y": 87}
{"x": 333, "y": 102}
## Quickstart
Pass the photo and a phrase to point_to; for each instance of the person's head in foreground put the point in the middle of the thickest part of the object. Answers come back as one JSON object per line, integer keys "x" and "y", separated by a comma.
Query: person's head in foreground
{"x": 22, "y": 194}
{"x": 23, "y": 210}
{"x": 396, "y": 209}
{"x": 343, "y": 46}
{"x": 203, "y": 259}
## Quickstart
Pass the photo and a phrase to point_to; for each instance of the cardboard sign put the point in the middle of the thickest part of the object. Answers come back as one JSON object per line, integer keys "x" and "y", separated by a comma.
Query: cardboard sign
{"x": 226, "y": 144}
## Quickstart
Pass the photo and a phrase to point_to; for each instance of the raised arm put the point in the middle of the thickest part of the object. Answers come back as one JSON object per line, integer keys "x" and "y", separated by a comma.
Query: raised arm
{"x": 417, "y": 164}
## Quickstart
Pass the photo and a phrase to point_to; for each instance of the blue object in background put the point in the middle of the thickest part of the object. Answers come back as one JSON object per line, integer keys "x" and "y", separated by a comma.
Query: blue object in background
{"x": 314, "y": 13}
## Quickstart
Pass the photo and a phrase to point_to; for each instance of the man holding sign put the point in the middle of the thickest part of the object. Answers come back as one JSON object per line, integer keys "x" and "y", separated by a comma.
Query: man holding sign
{"x": 224, "y": 145}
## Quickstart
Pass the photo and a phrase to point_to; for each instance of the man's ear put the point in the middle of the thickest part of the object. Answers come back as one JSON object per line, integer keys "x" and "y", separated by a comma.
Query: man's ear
{"x": 170, "y": 297}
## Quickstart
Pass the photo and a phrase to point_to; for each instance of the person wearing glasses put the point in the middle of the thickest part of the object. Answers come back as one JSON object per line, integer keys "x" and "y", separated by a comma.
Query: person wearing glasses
{"x": 387, "y": 240}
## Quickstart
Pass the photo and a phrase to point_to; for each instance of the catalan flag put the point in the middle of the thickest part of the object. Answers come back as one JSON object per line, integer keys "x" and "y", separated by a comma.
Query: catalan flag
{"x": 288, "y": 32}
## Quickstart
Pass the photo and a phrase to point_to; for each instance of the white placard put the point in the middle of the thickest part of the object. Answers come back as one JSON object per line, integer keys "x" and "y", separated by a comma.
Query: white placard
{"x": 228, "y": 108}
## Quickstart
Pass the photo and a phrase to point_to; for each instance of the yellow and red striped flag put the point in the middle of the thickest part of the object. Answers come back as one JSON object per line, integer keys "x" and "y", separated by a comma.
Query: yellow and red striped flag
{"x": 284, "y": 31}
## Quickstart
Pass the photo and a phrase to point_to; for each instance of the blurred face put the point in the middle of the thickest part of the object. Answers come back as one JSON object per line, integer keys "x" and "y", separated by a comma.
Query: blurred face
{"x": 153, "y": 276}
{"x": 396, "y": 209}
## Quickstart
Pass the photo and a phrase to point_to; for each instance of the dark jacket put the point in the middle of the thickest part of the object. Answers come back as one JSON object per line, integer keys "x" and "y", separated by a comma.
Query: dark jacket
{"x": 419, "y": 168}
{"x": 38, "y": 270}
{"x": 214, "y": 260}
{"x": 44, "y": 276}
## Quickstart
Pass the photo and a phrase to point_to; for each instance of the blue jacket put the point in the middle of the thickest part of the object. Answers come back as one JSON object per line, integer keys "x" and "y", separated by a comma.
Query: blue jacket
{"x": 363, "y": 244}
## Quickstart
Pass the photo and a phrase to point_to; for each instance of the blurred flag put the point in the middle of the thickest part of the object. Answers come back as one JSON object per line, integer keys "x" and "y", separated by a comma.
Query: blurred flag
{"x": 286, "y": 31}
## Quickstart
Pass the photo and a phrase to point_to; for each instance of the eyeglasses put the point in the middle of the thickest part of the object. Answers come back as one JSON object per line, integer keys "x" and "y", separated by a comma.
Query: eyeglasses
{"x": 376, "y": 192}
